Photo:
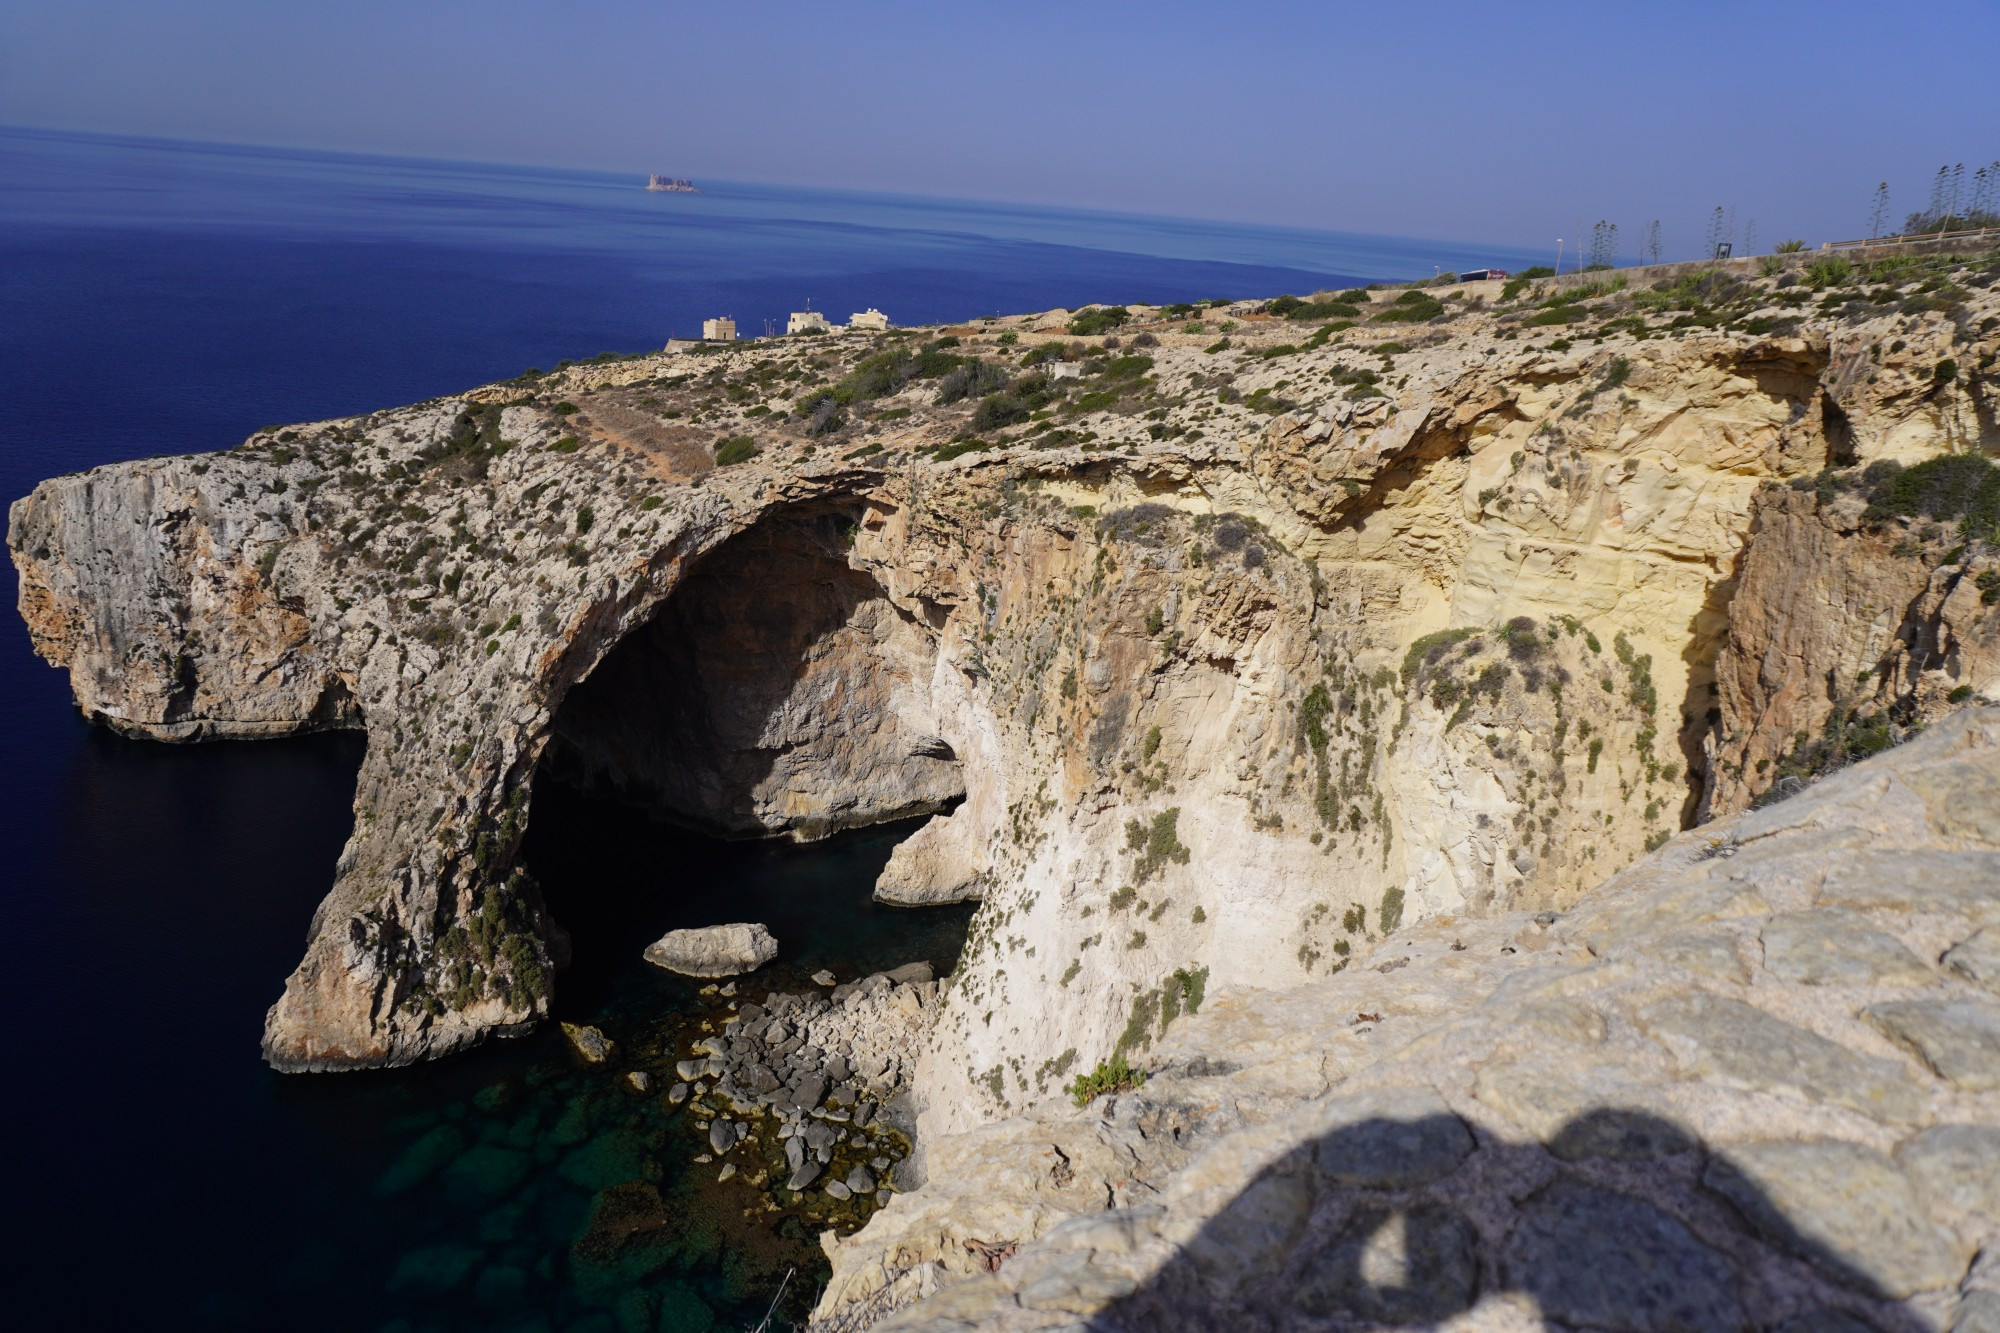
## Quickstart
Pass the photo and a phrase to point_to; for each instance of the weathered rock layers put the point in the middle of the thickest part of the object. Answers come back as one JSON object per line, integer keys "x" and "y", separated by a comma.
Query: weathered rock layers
{"x": 1752, "y": 1081}
{"x": 1222, "y": 694}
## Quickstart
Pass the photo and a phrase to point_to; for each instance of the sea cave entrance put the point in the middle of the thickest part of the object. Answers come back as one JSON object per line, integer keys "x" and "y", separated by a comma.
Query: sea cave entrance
{"x": 753, "y": 752}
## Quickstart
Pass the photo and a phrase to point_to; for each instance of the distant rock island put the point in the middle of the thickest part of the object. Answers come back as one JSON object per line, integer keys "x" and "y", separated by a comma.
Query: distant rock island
{"x": 671, "y": 185}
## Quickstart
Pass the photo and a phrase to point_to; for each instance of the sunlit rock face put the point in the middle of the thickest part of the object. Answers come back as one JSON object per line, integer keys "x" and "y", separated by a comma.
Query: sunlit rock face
{"x": 1218, "y": 662}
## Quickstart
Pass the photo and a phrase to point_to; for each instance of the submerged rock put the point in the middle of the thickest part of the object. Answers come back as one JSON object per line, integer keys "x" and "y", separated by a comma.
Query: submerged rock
{"x": 714, "y": 951}
{"x": 590, "y": 1045}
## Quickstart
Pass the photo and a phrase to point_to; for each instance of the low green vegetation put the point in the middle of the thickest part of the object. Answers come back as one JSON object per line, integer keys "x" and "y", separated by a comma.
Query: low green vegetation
{"x": 1412, "y": 307}
{"x": 1157, "y": 843}
{"x": 1094, "y": 320}
{"x": 1111, "y": 1076}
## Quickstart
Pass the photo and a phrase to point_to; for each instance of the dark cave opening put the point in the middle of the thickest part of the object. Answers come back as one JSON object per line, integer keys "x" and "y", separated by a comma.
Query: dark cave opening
{"x": 778, "y": 690}
{"x": 753, "y": 752}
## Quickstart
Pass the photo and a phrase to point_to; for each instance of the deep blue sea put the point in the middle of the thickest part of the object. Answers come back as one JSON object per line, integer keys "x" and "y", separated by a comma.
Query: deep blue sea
{"x": 161, "y": 297}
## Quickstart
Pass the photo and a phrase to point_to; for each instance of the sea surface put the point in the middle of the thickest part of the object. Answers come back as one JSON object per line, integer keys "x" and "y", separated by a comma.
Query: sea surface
{"x": 163, "y": 297}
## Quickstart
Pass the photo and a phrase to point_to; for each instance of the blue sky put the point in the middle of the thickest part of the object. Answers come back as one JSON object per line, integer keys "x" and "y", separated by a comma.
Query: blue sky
{"x": 1500, "y": 123}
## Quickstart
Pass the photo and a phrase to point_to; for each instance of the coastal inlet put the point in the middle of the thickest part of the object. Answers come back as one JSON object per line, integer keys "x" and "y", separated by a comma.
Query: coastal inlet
{"x": 644, "y": 1175}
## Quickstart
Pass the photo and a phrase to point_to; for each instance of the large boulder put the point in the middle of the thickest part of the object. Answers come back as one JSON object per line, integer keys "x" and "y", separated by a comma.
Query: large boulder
{"x": 713, "y": 951}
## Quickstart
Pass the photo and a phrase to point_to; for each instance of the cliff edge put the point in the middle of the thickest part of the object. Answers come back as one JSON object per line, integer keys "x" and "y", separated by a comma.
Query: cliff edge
{"x": 1272, "y": 629}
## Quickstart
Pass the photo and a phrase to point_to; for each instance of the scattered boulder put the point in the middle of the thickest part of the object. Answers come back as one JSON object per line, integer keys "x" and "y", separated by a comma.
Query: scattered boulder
{"x": 714, "y": 951}
{"x": 590, "y": 1045}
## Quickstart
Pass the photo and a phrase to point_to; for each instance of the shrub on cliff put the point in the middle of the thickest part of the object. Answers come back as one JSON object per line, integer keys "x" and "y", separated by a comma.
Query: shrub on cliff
{"x": 735, "y": 449}
{"x": 972, "y": 379}
{"x": 1965, "y": 487}
{"x": 1098, "y": 319}
{"x": 1412, "y": 307}
{"x": 1110, "y": 1076}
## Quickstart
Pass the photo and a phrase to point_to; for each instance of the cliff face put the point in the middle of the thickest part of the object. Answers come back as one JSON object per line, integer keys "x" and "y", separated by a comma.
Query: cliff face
{"x": 1234, "y": 661}
{"x": 1752, "y": 1081}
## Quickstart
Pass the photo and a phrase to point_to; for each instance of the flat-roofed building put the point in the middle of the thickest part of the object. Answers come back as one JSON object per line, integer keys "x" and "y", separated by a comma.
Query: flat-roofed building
{"x": 870, "y": 320}
{"x": 807, "y": 321}
{"x": 718, "y": 330}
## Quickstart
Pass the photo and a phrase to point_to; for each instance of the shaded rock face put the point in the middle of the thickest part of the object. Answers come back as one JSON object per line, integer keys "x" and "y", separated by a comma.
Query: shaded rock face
{"x": 777, "y": 691}
{"x": 1838, "y": 630}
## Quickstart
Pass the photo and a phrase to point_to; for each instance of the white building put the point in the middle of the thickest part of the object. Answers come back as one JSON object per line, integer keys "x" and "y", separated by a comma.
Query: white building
{"x": 718, "y": 330}
{"x": 870, "y": 320}
{"x": 1065, "y": 370}
{"x": 807, "y": 321}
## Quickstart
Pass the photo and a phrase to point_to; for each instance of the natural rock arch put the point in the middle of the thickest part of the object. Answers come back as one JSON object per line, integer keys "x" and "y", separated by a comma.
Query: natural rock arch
{"x": 776, "y": 690}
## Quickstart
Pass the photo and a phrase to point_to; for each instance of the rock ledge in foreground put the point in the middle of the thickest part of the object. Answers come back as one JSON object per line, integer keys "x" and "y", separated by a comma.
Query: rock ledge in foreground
{"x": 714, "y": 951}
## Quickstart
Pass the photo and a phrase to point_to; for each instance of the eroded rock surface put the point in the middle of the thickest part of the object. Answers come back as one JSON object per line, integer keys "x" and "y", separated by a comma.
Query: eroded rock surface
{"x": 714, "y": 951}
{"x": 1638, "y": 1114}
{"x": 1214, "y": 665}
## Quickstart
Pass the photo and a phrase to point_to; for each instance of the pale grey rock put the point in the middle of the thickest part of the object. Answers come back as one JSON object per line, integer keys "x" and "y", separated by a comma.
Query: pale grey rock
{"x": 639, "y": 1080}
{"x": 591, "y": 1046}
{"x": 714, "y": 951}
{"x": 1738, "y": 1044}
{"x": 1960, "y": 1039}
{"x": 1605, "y": 1260}
{"x": 1831, "y": 947}
{"x": 1395, "y": 1266}
{"x": 1547, "y": 1097}
{"x": 803, "y": 1175}
{"x": 823, "y": 978}
{"x": 1256, "y": 1230}
{"x": 1958, "y": 1165}
{"x": 1919, "y": 880}
{"x": 1843, "y": 1207}
{"x": 721, "y": 1135}
{"x": 1978, "y": 959}
{"x": 1706, "y": 953}
{"x": 838, "y": 1190}
{"x": 861, "y": 1181}
{"x": 1976, "y": 1312}
{"x": 727, "y": 1172}
{"x": 1389, "y": 1140}
{"x": 677, "y": 1094}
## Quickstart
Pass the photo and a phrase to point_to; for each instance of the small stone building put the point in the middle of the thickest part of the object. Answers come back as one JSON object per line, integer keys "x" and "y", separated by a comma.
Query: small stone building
{"x": 718, "y": 330}
{"x": 807, "y": 321}
{"x": 870, "y": 320}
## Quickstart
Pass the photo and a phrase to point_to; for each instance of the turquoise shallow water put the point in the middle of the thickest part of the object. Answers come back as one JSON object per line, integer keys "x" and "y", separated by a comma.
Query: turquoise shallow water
{"x": 160, "y": 298}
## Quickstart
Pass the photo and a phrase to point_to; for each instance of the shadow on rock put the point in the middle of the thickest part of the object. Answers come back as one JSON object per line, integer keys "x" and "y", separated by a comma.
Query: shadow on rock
{"x": 1621, "y": 1221}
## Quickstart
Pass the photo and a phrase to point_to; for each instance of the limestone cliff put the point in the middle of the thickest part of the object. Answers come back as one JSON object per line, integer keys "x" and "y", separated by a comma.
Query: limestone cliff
{"x": 1227, "y": 658}
{"x": 1751, "y": 1082}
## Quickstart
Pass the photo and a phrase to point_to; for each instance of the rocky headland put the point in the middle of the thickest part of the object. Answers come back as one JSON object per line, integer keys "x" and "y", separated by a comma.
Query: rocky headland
{"x": 1267, "y": 646}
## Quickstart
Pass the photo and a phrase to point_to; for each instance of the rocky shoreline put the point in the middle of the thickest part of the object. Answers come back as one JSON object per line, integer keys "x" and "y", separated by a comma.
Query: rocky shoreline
{"x": 1223, "y": 664}
{"x": 820, "y": 1083}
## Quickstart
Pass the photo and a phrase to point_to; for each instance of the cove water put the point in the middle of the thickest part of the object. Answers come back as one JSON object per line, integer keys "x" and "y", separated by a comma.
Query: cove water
{"x": 160, "y": 297}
